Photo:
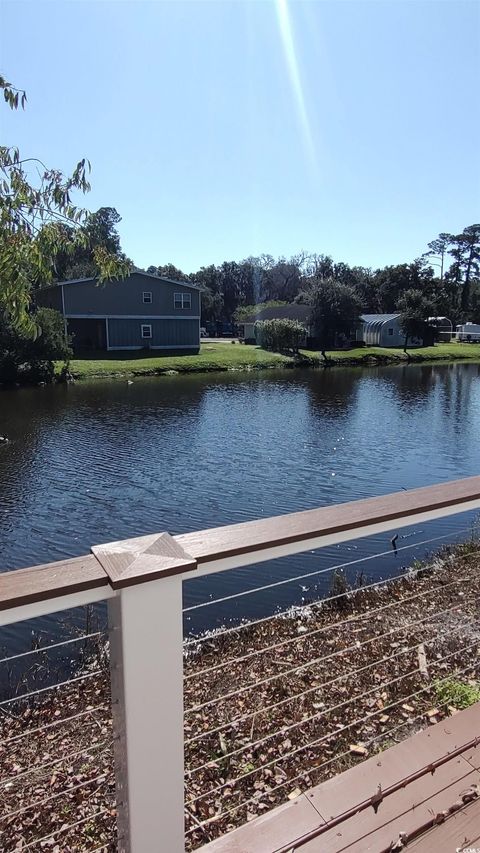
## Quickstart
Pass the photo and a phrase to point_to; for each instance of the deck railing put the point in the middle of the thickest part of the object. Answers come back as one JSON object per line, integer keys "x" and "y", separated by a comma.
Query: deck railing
{"x": 142, "y": 581}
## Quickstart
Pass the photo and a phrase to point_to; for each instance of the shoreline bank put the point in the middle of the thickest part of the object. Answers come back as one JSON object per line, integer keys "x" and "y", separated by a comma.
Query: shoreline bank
{"x": 224, "y": 357}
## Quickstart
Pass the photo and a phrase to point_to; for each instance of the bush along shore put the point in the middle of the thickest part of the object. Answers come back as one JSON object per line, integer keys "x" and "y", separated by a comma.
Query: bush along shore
{"x": 272, "y": 708}
{"x": 216, "y": 357}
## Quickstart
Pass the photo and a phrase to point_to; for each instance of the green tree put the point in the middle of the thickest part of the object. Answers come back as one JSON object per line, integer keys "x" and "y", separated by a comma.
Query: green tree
{"x": 246, "y": 312}
{"x": 392, "y": 281}
{"x": 27, "y": 359}
{"x": 37, "y": 223}
{"x": 336, "y": 311}
{"x": 465, "y": 252}
{"x": 414, "y": 310}
{"x": 212, "y": 306}
{"x": 100, "y": 234}
{"x": 438, "y": 248}
{"x": 169, "y": 271}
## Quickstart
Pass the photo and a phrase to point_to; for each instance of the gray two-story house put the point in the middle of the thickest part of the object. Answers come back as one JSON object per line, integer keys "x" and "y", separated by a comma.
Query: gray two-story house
{"x": 138, "y": 312}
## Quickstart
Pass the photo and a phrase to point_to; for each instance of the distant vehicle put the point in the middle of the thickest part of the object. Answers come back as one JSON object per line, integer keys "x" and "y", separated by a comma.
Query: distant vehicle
{"x": 469, "y": 332}
{"x": 220, "y": 330}
{"x": 203, "y": 332}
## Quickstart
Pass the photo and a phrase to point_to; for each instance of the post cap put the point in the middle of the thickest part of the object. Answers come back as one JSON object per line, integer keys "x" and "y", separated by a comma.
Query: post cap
{"x": 144, "y": 558}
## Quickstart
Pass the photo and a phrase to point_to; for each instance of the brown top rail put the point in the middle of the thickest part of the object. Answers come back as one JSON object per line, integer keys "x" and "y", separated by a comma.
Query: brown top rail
{"x": 40, "y": 583}
{"x": 228, "y": 541}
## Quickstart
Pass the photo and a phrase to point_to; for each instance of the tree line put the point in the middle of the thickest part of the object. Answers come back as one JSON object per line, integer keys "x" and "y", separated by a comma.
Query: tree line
{"x": 446, "y": 276}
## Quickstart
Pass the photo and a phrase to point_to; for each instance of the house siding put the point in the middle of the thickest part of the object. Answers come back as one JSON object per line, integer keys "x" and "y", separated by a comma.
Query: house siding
{"x": 50, "y": 298}
{"x": 126, "y": 297}
{"x": 167, "y": 334}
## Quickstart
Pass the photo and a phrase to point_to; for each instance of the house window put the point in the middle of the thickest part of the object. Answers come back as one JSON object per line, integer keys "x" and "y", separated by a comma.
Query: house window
{"x": 147, "y": 296}
{"x": 390, "y": 331}
{"x": 146, "y": 331}
{"x": 182, "y": 300}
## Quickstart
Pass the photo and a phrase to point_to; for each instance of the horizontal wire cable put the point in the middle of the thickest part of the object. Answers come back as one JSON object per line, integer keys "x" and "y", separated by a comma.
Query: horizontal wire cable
{"x": 64, "y": 829}
{"x": 214, "y": 635}
{"x": 54, "y": 646}
{"x": 315, "y": 689}
{"x": 307, "y": 772}
{"x": 367, "y": 716}
{"x": 328, "y": 737}
{"x": 322, "y": 713}
{"x": 354, "y": 647}
{"x": 284, "y": 730}
{"x": 318, "y": 572}
{"x": 51, "y": 725}
{"x": 35, "y": 768}
{"x": 63, "y": 793}
{"x": 367, "y": 614}
{"x": 308, "y": 664}
{"x": 52, "y": 687}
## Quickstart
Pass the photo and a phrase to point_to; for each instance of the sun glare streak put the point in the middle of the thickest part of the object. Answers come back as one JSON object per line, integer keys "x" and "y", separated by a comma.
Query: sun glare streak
{"x": 286, "y": 32}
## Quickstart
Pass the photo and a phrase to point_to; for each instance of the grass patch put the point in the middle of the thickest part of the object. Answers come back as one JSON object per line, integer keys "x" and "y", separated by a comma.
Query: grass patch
{"x": 228, "y": 356}
{"x": 383, "y": 355}
{"x": 211, "y": 357}
{"x": 457, "y": 694}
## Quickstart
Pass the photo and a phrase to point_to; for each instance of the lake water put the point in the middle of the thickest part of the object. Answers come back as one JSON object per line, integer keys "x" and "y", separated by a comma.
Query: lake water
{"x": 99, "y": 461}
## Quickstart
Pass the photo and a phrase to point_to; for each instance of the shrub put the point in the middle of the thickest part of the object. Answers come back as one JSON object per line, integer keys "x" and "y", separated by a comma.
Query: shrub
{"x": 24, "y": 359}
{"x": 280, "y": 335}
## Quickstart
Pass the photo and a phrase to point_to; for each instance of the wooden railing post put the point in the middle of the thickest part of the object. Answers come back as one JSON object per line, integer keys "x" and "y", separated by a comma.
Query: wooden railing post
{"x": 146, "y": 635}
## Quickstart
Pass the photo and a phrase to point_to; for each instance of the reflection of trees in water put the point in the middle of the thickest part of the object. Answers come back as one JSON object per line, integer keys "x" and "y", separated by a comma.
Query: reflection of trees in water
{"x": 332, "y": 391}
{"x": 459, "y": 383}
{"x": 412, "y": 384}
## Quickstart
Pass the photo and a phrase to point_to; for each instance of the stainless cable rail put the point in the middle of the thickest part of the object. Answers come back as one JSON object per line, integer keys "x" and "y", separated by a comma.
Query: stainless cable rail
{"x": 316, "y": 742}
{"x": 303, "y": 666}
{"x": 250, "y": 623}
{"x": 315, "y": 689}
{"x": 270, "y": 704}
{"x": 317, "y": 572}
{"x": 316, "y": 769}
{"x": 308, "y": 634}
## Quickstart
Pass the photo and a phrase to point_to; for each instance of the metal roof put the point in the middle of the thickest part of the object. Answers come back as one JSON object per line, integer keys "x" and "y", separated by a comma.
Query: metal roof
{"x": 379, "y": 318}
{"x": 133, "y": 272}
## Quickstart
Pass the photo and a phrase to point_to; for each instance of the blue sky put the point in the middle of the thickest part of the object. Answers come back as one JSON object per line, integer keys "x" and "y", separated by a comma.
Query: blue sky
{"x": 224, "y": 129}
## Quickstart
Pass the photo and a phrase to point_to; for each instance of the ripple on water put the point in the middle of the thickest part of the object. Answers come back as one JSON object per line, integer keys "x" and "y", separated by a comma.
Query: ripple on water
{"x": 101, "y": 461}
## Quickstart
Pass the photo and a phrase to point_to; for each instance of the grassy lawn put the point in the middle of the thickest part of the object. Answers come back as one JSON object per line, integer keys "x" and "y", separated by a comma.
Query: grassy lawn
{"x": 440, "y": 352}
{"x": 211, "y": 357}
{"x": 227, "y": 356}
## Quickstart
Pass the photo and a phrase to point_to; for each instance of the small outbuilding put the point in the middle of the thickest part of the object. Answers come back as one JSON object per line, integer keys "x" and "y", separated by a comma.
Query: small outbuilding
{"x": 381, "y": 330}
{"x": 443, "y": 328}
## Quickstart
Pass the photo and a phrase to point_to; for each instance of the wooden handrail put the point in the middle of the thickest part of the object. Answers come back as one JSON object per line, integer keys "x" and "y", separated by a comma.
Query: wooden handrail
{"x": 231, "y": 540}
{"x": 40, "y": 583}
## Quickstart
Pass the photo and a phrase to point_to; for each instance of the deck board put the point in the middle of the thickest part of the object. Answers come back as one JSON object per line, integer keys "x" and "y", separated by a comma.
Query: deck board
{"x": 461, "y": 830}
{"x": 404, "y": 811}
{"x": 409, "y": 809}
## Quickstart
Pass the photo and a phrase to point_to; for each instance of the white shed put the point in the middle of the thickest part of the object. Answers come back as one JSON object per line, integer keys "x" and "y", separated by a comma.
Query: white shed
{"x": 383, "y": 330}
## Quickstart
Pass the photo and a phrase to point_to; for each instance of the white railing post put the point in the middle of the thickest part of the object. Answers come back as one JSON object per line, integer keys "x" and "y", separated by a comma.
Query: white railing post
{"x": 146, "y": 636}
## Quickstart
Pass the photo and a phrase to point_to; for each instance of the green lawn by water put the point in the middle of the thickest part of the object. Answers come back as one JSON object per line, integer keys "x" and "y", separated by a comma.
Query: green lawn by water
{"x": 228, "y": 356}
